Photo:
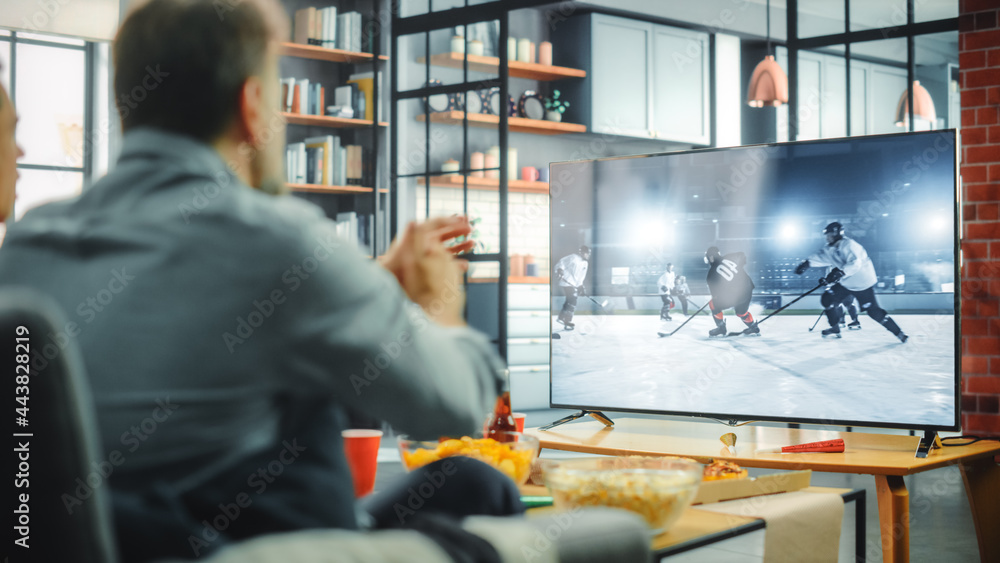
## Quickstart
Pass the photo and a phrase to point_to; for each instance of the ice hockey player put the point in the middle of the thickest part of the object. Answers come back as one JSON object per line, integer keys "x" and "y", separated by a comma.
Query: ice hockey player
{"x": 571, "y": 271}
{"x": 681, "y": 290}
{"x": 730, "y": 287}
{"x": 851, "y": 275}
{"x": 666, "y": 285}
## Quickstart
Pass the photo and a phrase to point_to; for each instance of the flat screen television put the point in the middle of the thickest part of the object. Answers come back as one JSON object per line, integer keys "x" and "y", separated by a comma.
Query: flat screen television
{"x": 886, "y": 203}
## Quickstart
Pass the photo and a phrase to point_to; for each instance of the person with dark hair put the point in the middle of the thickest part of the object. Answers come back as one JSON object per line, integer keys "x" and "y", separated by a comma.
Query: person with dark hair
{"x": 666, "y": 286}
{"x": 225, "y": 328}
{"x": 571, "y": 271}
{"x": 850, "y": 275}
{"x": 730, "y": 287}
{"x": 10, "y": 152}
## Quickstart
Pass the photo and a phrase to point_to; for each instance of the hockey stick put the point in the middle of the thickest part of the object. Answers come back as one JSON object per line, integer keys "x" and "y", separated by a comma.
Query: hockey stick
{"x": 821, "y": 313}
{"x": 782, "y": 308}
{"x": 601, "y": 305}
{"x": 664, "y": 334}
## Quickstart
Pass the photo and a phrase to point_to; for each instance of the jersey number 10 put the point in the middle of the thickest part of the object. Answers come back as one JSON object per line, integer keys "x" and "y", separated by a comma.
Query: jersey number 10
{"x": 727, "y": 269}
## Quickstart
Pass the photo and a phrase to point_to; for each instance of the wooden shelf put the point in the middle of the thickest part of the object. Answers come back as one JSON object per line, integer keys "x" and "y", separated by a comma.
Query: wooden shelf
{"x": 515, "y": 124}
{"x": 315, "y": 52}
{"x": 512, "y": 279}
{"x": 323, "y": 189}
{"x": 327, "y": 121}
{"x": 488, "y": 184}
{"x": 515, "y": 69}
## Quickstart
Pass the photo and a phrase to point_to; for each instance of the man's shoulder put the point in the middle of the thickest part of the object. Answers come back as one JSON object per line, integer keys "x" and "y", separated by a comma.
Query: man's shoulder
{"x": 849, "y": 243}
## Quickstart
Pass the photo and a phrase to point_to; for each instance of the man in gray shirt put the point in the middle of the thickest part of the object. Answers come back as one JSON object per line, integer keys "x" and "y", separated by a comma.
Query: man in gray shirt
{"x": 224, "y": 327}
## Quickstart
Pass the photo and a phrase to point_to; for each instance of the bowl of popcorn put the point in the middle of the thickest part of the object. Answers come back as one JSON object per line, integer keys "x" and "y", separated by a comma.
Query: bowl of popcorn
{"x": 657, "y": 488}
{"x": 511, "y": 453}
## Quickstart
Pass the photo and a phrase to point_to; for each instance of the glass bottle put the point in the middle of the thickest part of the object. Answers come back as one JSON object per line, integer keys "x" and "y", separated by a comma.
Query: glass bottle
{"x": 501, "y": 422}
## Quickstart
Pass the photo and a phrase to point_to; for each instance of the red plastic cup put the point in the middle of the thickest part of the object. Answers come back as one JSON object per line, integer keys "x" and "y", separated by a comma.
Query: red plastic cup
{"x": 361, "y": 450}
{"x": 519, "y": 420}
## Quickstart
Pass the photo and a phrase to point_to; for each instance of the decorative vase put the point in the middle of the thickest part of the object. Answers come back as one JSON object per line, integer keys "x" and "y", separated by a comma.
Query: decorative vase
{"x": 477, "y": 161}
{"x": 553, "y": 115}
{"x": 545, "y": 53}
{"x": 524, "y": 50}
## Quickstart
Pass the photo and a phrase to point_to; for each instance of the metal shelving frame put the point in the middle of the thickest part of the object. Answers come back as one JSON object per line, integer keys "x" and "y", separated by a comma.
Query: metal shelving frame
{"x": 449, "y": 19}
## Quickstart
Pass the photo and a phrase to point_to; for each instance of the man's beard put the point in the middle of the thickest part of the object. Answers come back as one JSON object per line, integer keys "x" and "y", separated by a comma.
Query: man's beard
{"x": 268, "y": 178}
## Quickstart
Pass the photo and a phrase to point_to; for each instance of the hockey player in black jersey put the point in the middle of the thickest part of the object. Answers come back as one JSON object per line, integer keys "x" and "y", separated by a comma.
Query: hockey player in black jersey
{"x": 730, "y": 287}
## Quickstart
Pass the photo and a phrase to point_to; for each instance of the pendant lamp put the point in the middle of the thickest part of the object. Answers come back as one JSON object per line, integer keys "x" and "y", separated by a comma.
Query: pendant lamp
{"x": 923, "y": 105}
{"x": 769, "y": 84}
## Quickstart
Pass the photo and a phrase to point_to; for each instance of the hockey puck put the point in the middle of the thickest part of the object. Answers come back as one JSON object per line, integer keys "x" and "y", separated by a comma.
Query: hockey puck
{"x": 555, "y": 336}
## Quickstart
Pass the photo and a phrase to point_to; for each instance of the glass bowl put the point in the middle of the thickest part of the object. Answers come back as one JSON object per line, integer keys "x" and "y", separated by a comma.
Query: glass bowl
{"x": 657, "y": 488}
{"x": 512, "y": 455}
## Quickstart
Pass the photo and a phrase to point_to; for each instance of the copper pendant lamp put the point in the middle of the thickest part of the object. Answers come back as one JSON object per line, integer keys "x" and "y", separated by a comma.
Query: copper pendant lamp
{"x": 769, "y": 84}
{"x": 923, "y": 105}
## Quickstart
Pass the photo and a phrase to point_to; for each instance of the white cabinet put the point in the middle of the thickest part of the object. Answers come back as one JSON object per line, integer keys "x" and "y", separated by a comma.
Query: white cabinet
{"x": 643, "y": 80}
{"x": 528, "y": 331}
{"x": 822, "y": 96}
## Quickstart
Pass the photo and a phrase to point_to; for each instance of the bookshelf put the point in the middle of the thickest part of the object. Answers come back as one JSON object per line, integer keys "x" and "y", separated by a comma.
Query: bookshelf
{"x": 364, "y": 196}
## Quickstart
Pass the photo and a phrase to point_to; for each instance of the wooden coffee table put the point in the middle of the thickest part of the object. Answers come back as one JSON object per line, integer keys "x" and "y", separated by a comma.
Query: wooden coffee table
{"x": 886, "y": 457}
{"x": 698, "y": 528}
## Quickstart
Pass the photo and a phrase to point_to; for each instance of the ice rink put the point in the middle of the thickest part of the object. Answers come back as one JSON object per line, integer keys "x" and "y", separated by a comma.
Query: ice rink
{"x": 619, "y": 362}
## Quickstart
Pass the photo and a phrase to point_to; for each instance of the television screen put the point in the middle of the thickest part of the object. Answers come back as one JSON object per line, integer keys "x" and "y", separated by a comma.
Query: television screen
{"x": 801, "y": 282}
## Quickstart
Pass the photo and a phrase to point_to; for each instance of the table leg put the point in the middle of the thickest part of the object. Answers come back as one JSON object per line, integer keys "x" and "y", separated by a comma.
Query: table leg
{"x": 982, "y": 485}
{"x": 894, "y": 517}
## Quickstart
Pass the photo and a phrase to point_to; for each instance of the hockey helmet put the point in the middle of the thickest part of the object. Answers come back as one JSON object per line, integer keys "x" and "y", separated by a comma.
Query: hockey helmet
{"x": 712, "y": 254}
{"x": 834, "y": 232}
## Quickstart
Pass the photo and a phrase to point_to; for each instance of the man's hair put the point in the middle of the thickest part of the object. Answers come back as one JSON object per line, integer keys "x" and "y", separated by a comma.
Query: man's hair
{"x": 180, "y": 64}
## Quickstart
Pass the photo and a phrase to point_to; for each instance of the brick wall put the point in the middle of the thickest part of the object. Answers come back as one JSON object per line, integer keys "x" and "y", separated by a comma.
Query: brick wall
{"x": 979, "y": 62}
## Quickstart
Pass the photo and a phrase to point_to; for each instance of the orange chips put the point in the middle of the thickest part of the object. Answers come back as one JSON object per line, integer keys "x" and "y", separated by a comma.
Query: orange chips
{"x": 512, "y": 461}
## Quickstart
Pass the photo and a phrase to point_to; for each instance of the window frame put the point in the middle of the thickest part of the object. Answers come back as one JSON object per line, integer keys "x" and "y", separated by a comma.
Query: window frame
{"x": 88, "y": 49}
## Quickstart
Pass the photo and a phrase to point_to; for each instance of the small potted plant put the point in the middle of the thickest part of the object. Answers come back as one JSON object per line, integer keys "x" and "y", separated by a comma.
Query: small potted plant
{"x": 554, "y": 107}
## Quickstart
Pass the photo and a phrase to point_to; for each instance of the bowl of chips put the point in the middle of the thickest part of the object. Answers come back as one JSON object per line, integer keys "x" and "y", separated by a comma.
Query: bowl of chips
{"x": 657, "y": 488}
{"x": 511, "y": 453}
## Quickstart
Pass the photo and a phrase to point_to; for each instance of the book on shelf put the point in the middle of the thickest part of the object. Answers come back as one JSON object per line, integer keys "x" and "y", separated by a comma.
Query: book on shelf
{"x": 348, "y": 32}
{"x": 296, "y": 163}
{"x": 304, "y": 27}
{"x": 316, "y": 26}
{"x": 365, "y": 83}
{"x": 302, "y": 96}
{"x": 324, "y": 161}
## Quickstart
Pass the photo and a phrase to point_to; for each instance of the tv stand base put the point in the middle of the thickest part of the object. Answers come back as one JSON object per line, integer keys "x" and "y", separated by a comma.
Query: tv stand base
{"x": 596, "y": 414}
{"x": 929, "y": 442}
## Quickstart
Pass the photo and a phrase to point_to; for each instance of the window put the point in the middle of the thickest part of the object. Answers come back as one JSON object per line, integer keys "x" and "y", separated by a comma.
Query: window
{"x": 864, "y": 75}
{"x": 46, "y": 77}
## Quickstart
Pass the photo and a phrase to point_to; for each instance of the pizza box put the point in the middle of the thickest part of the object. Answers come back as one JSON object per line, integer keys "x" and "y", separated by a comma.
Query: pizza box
{"x": 730, "y": 489}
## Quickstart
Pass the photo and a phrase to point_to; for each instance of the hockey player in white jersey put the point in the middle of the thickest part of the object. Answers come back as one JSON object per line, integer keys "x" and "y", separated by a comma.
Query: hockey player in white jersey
{"x": 851, "y": 274}
{"x": 666, "y": 287}
{"x": 571, "y": 271}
